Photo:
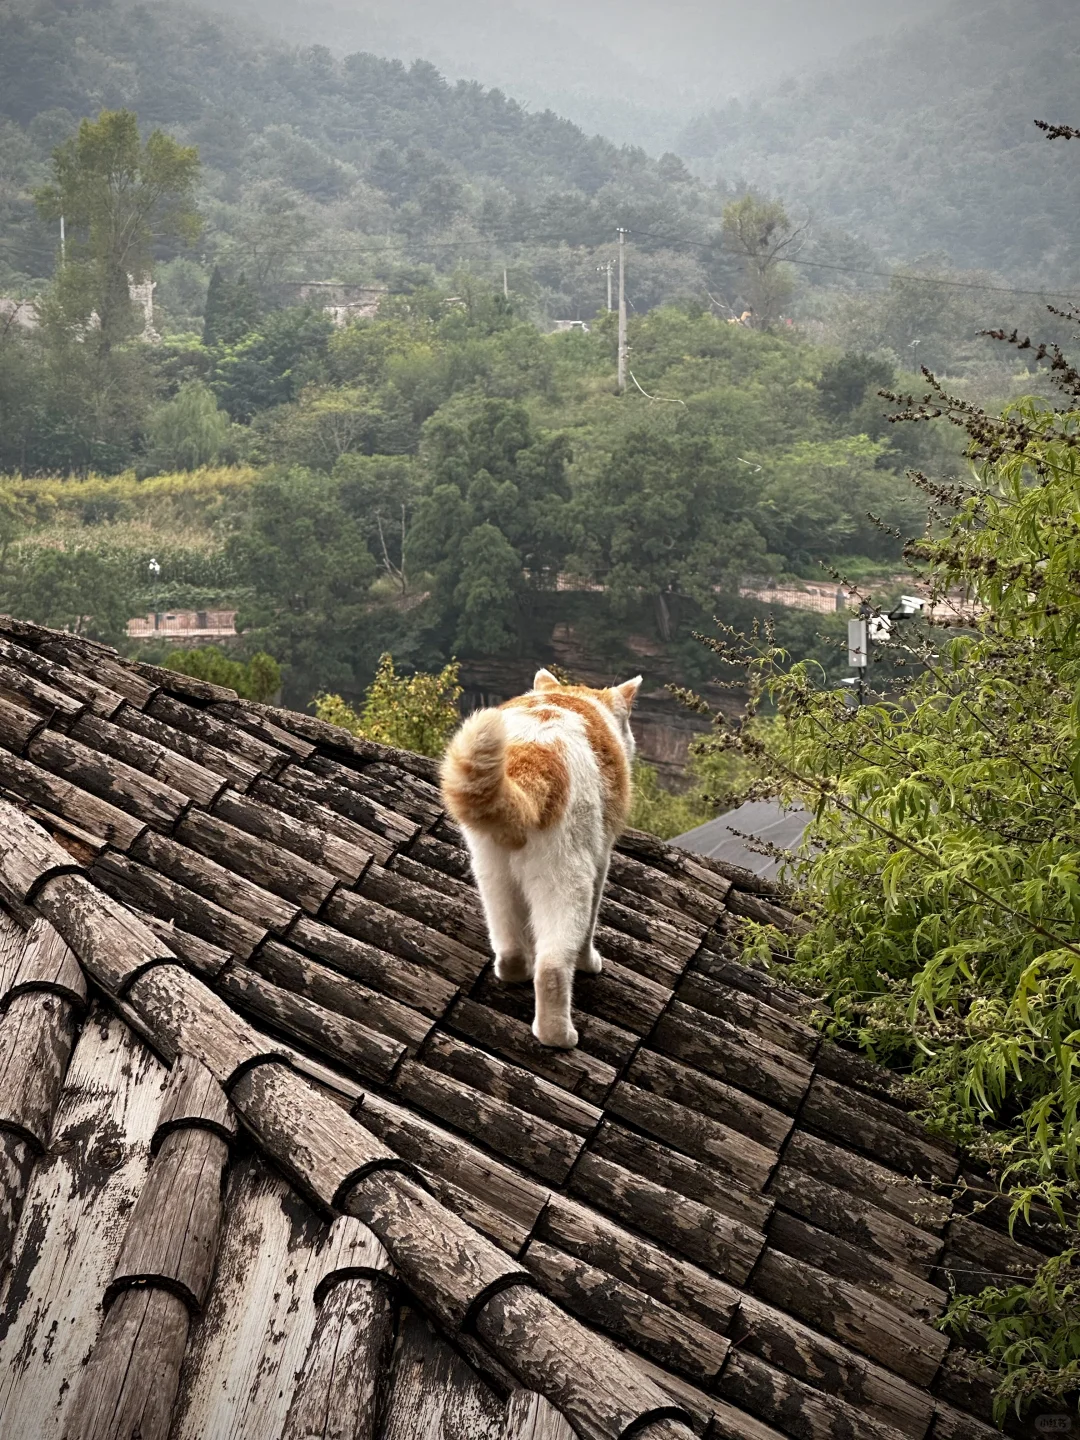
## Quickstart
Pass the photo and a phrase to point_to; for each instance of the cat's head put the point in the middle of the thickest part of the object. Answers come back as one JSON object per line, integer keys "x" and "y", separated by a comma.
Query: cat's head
{"x": 619, "y": 699}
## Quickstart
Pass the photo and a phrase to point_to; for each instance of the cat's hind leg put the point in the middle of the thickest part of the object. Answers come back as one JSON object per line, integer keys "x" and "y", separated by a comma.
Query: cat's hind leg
{"x": 589, "y": 960}
{"x": 561, "y": 907}
{"x": 505, "y": 910}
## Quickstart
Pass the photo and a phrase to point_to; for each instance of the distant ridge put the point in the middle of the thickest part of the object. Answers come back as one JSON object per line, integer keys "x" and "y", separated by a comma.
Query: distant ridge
{"x": 923, "y": 142}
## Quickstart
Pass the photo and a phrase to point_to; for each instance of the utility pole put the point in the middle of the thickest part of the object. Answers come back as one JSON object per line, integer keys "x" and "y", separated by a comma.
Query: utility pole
{"x": 63, "y": 254}
{"x": 605, "y": 269}
{"x": 506, "y": 286}
{"x": 622, "y": 310}
{"x": 870, "y": 628}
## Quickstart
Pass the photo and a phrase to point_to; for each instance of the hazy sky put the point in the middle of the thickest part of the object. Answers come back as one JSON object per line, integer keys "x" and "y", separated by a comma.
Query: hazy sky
{"x": 727, "y": 44}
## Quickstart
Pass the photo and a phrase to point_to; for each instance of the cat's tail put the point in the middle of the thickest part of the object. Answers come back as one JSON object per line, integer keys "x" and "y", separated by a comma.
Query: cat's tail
{"x": 504, "y": 789}
{"x": 474, "y": 772}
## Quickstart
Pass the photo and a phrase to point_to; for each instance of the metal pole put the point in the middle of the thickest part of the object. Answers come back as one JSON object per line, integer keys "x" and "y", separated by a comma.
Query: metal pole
{"x": 506, "y": 286}
{"x": 605, "y": 269}
{"x": 63, "y": 247}
{"x": 622, "y": 311}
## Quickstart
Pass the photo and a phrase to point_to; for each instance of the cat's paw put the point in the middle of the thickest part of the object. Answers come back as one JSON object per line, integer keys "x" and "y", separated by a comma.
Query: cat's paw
{"x": 591, "y": 962}
{"x": 557, "y": 1035}
{"x": 513, "y": 969}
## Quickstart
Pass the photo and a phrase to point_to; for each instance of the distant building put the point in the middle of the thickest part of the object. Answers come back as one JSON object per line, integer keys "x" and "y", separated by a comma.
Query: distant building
{"x": 141, "y": 293}
{"x": 341, "y": 302}
{"x": 563, "y": 325}
{"x": 183, "y": 625}
{"x": 825, "y": 599}
{"x": 22, "y": 314}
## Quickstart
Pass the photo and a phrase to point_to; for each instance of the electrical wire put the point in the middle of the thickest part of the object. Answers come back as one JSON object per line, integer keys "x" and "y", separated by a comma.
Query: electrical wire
{"x": 399, "y": 248}
{"x": 656, "y": 399}
{"x": 681, "y": 242}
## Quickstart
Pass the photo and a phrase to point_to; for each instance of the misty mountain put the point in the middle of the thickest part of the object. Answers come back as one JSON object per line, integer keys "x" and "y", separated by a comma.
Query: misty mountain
{"x": 923, "y": 142}
{"x": 632, "y": 70}
{"x": 544, "y": 63}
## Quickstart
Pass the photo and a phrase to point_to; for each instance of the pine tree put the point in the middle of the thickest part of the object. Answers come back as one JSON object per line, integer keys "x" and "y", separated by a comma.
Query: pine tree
{"x": 232, "y": 309}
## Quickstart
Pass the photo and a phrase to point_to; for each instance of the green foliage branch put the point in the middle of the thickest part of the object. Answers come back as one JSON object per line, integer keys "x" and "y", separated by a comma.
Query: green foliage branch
{"x": 256, "y": 679}
{"x": 943, "y": 883}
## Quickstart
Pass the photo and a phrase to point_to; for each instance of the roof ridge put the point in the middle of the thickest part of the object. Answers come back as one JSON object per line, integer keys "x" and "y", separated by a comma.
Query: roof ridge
{"x": 311, "y": 728}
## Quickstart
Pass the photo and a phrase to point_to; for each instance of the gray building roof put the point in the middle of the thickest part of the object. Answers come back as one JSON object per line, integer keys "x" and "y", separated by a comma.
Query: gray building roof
{"x": 767, "y": 820}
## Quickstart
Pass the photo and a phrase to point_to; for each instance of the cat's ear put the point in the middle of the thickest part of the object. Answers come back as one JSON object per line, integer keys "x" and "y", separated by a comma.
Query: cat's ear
{"x": 545, "y": 680}
{"x": 627, "y": 691}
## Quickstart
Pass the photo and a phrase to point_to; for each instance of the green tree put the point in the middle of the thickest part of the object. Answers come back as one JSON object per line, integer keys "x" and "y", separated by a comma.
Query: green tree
{"x": 232, "y": 309}
{"x": 73, "y": 589}
{"x": 667, "y": 519}
{"x": 816, "y": 501}
{"x": 849, "y": 381}
{"x": 331, "y": 422}
{"x": 761, "y": 235}
{"x": 256, "y": 679}
{"x": 493, "y": 521}
{"x": 417, "y": 712}
{"x": 380, "y": 492}
{"x": 271, "y": 365}
{"x": 487, "y": 592}
{"x": 188, "y": 431}
{"x": 309, "y": 570}
{"x": 117, "y": 195}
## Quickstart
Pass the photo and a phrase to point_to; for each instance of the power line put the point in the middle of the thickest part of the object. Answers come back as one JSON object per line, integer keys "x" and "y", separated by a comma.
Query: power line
{"x": 677, "y": 242}
{"x": 906, "y": 276}
{"x": 346, "y": 248}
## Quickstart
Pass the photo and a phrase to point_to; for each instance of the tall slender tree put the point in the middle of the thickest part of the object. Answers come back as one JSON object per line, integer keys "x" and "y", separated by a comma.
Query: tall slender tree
{"x": 117, "y": 194}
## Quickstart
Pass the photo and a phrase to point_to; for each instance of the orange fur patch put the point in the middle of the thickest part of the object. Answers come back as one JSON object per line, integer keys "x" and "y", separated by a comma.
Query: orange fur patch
{"x": 536, "y": 791}
{"x": 540, "y": 771}
{"x": 507, "y": 788}
{"x": 610, "y": 755}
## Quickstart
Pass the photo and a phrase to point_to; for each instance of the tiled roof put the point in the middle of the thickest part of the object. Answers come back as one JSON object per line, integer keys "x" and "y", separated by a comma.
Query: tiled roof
{"x": 704, "y": 1219}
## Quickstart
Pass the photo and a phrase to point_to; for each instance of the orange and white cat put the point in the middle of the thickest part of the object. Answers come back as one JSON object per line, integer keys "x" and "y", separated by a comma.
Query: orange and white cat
{"x": 541, "y": 789}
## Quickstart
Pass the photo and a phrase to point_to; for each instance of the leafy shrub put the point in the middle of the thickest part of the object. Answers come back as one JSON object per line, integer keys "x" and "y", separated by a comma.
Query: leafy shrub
{"x": 72, "y": 588}
{"x": 256, "y": 679}
{"x": 411, "y": 712}
{"x": 187, "y": 432}
{"x": 945, "y": 879}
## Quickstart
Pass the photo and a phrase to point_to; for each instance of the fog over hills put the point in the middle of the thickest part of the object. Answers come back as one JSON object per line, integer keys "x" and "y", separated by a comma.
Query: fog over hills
{"x": 923, "y": 141}
{"x": 636, "y": 72}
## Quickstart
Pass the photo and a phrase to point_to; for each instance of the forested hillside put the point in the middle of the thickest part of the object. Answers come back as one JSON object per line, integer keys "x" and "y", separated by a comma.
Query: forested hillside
{"x": 440, "y": 476}
{"x": 924, "y": 143}
{"x": 446, "y": 481}
{"x": 317, "y": 168}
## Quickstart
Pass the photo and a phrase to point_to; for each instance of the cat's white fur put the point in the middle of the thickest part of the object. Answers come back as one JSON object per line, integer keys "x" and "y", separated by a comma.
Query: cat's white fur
{"x": 541, "y": 897}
